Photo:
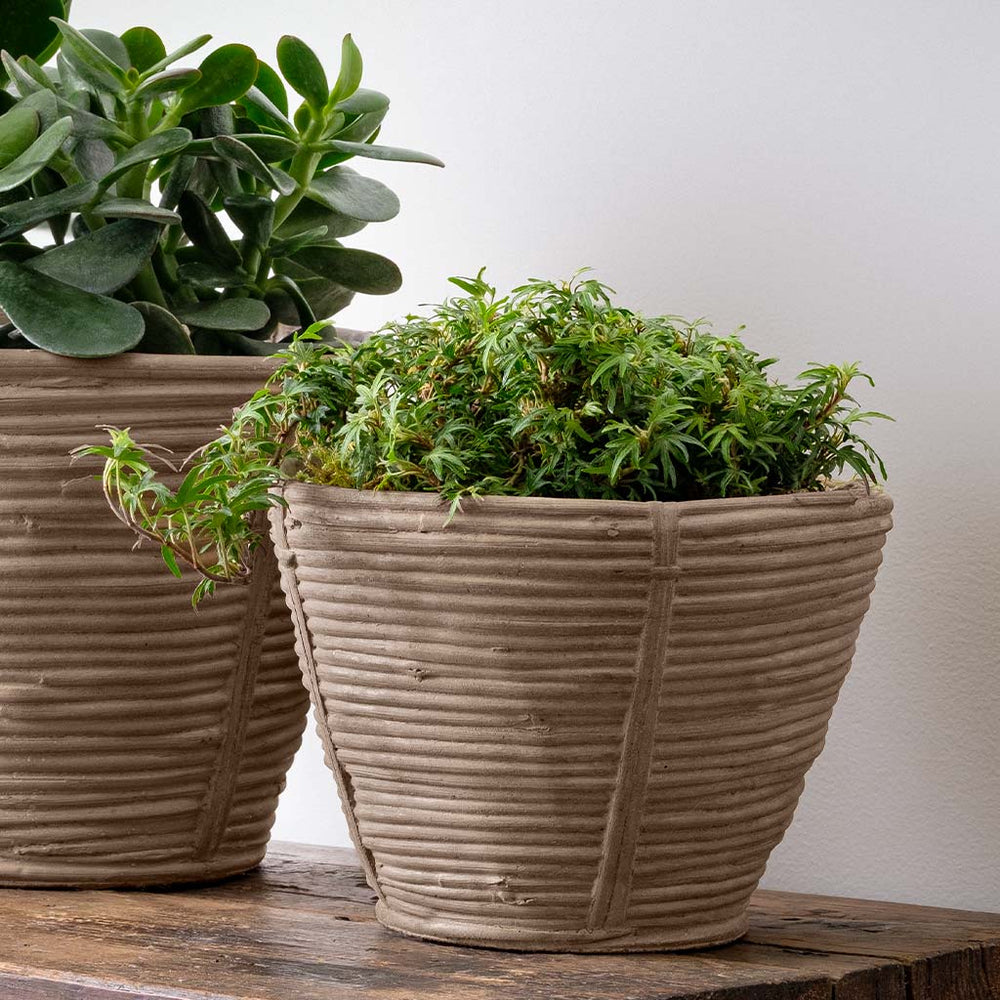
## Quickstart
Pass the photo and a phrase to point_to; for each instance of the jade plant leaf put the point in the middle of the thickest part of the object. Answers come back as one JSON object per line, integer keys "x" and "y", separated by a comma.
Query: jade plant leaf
{"x": 164, "y": 333}
{"x": 171, "y": 57}
{"x": 65, "y": 320}
{"x": 269, "y": 83}
{"x": 26, "y": 28}
{"x": 378, "y": 152}
{"x": 22, "y": 168}
{"x": 226, "y": 75}
{"x": 238, "y": 315}
{"x": 102, "y": 261}
{"x": 354, "y": 195}
{"x": 18, "y": 130}
{"x": 363, "y": 102}
{"x": 270, "y": 148}
{"x": 261, "y": 109}
{"x": 351, "y": 68}
{"x": 358, "y": 270}
{"x": 170, "y": 82}
{"x": 205, "y": 231}
{"x": 254, "y": 217}
{"x": 144, "y": 46}
{"x": 89, "y": 59}
{"x": 311, "y": 215}
{"x": 24, "y": 215}
{"x": 135, "y": 208}
{"x": 244, "y": 158}
{"x": 167, "y": 143}
{"x": 302, "y": 69}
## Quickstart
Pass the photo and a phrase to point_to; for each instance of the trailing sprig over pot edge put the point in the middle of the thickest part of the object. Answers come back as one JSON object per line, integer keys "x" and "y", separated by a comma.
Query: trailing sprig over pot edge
{"x": 550, "y": 391}
{"x": 129, "y": 159}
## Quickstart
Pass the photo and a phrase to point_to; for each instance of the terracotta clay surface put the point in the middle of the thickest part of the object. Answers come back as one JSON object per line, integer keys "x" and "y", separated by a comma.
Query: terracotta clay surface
{"x": 140, "y": 741}
{"x": 302, "y": 928}
{"x": 574, "y": 725}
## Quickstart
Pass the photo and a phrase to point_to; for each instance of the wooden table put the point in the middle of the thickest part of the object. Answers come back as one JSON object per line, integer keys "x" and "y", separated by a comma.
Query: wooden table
{"x": 302, "y": 928}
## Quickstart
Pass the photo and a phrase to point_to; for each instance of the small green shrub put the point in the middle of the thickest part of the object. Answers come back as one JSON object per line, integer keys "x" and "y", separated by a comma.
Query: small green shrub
{"x": 550, "y": 391}
{"x": 130, "y": 162}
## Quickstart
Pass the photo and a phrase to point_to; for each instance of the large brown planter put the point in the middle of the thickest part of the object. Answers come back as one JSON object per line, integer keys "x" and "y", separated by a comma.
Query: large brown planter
{"x": 574, "y": 725}
{"x": 140, "y": 742}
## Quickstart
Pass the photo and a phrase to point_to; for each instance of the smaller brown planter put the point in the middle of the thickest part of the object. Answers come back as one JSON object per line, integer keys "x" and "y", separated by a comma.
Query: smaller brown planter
{"x": 573, "y": 725}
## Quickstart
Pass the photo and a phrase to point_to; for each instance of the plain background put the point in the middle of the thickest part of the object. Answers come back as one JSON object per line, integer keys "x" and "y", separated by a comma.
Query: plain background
{"x": 827, "y": 174}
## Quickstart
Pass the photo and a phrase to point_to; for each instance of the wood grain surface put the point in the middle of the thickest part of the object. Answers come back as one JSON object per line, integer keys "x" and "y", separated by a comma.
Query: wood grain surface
{"x": 302, "y": 928}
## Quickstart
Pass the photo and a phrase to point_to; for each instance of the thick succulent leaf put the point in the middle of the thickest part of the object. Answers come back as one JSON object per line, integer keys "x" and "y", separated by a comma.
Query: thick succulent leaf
{"x": 18, "y": 130}
{"x": 363, "y": 128}
{"x": 310, "y": 216}
{"x": 102, "y": 261}
{"x": 226, "y": 75}
{"x": 228, "y": 343}
{"x": 22, "y": 168}
{"x": 363, "y": 102}
{"x": 325, "y": 297}
{"x": 301, "y": 67}
{"x": 176, "y": 183}
{"x": 111, "y": 45}
{"x": 238, "y": 315}
{"x": 18, "y": 250}
{"x": 281, "y": 285}
{"x": 351, "y": 68}
{"x": 262, "y": 110}
{"x": 89, "y": 60}
{"x": 351, "y": 194}
{"x": 171, "y": 57}
{"x": 162, "y": 144}
{"x": 26, "y": 28}
{"x": 24, "y": 80}
{"x": 270, "y": 148}
{"x": 378, "y": 152}
{"x": 145, "y": 47}
{"x": 24, "y": 215}
{"x": 253, "y": 216}
{"x": 93, "y": 158}
{"x": 135, "y": 208}
{"x": 245, "y": 159}
{"x": 358, "y": 270}
{"x": 45, "y": 104}
{"x": 170, "y": 82}
{"x": 269, "y": 83}
{"x": 205, "y": 231}
{"x": 164, "y": 333}
{"x": 204, "y": 275}
{"x": 65, "y": 320}
{"x": 90, "y": 126}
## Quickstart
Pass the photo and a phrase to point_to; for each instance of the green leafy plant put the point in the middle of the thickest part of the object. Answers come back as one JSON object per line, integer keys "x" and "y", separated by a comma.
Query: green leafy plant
{"x": 131, "y": 160}
{"x": 550, "y": 391}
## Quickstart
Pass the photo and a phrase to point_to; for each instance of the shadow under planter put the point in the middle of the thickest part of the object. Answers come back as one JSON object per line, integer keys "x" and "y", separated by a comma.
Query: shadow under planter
{"x": 573, "y": 725}
{"x": 141, "y": 742}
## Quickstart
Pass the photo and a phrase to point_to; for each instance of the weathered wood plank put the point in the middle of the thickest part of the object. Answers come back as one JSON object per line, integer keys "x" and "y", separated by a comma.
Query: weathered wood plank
{"x": 303, "y": 927}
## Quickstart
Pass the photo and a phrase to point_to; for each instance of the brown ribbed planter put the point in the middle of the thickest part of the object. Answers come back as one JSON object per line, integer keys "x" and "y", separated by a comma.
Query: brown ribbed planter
{"x": 140, "y": 742}
{"x": 574, "y": 725}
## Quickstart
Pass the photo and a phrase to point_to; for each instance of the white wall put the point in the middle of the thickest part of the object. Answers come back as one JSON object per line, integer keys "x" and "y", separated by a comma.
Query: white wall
{"x": 828, "y": 174}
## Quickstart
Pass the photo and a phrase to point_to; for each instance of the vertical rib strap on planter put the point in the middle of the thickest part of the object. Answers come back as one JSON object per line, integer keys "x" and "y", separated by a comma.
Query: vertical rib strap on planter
{"x": 614, "y": 876}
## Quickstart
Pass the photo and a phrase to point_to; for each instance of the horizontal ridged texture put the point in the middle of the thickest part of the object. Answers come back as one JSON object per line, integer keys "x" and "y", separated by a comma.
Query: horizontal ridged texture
{"x": 574, "y": 725}
{"x": 141, "y": 742}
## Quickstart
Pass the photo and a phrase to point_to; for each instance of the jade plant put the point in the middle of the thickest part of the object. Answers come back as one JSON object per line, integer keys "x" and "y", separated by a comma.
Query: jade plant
{"x": 150, "y": 205}
{"x": 552, "y": 390}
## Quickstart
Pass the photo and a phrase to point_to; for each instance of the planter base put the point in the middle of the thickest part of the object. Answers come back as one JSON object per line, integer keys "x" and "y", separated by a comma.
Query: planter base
{"x": 608, "y": 940}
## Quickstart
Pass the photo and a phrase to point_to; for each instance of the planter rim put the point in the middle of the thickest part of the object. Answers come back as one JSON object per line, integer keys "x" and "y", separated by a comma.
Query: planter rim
{"x": 850, "y": 492}
{"x": 33, "y": 362}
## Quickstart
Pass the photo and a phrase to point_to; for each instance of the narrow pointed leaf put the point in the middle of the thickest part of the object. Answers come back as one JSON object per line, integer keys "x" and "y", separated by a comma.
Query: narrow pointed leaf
{"x": 23, "y": 81}
{"x": 167, "y": 143}
{"x": 65, "y": 320}
{"x": 22, "y": 168}
{"x": 171, "y": 57}
{"x": 144, "y": 46}
{"x": 358, "y": 197}
{"x": 18, "y": 130}
{"x": 358, "y": 270}
{"x": 24, "y": 215}
{"x": 89, "y": 60}
{"x": 102, "y": 261}
{"x": 262, "y": 110}
{"x": 378, "y": 152}
{"x": 270, "y": 148}
{"x": 135, "y": 208}
{"x": 238, "y": 315}
{"x": 351, "y": 67}
{"x": 164, "y": 333}
{"x": 301, "y": 67}
{"x": 180, "y": 175}
{"x": 226, "y": 75}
